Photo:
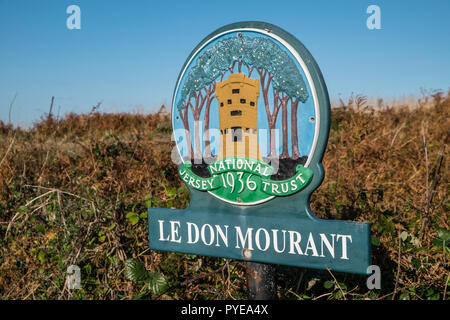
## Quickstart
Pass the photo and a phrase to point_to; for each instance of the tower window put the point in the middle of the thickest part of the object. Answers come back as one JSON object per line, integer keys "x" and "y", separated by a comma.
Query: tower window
{"x": 237, "y": 134}
{"x": 243, "y": 101}
{"x": 252, "y": 104}
{"x": 247, "y": 130}
{"x": 229, "y": 101}
{"x": 236, "y": 113}
{"x": 235, "y": 91}
{"x": 221, "y": 104}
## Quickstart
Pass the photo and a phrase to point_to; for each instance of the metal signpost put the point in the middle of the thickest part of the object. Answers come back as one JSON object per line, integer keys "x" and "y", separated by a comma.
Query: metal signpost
{"x": 251, "y": 118}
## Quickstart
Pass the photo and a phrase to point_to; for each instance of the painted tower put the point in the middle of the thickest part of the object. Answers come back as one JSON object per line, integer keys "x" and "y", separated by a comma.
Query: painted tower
{"x": 238, "y": 103}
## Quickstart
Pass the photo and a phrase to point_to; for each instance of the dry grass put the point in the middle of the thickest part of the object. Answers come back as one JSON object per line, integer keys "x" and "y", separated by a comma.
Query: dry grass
{"x": 66, "y": 187}
{"x": 376, "y": 170}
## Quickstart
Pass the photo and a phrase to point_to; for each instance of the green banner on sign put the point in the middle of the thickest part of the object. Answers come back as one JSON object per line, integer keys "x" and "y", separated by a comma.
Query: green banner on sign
{"x": 244, "y": 180}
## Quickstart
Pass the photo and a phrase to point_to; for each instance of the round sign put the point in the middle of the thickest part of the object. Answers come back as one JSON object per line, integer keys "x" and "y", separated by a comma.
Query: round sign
{"x": 246, "y": 114}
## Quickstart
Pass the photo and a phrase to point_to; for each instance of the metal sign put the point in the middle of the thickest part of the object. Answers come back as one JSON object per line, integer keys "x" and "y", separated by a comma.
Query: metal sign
{"x": 251, "y": 116}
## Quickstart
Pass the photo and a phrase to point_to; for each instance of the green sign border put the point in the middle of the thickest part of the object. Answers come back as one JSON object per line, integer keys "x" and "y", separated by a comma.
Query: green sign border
{"x": 280, "y": 212}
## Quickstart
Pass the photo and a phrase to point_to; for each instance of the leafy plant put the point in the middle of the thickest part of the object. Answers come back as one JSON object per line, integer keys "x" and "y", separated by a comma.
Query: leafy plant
{"x": 134, "y": 218}
{"x": 135, "y": 271}
{"x": 443, "y": 240}
{"x": 443, "y": 234}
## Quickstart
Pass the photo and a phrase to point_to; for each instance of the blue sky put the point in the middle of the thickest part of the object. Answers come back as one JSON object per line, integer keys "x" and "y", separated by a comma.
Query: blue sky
{"x": 128, "y": 53}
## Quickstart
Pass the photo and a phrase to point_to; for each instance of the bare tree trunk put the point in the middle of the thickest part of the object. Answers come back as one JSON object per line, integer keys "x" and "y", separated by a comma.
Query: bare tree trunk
{"x": 250, "y": 70}
{"x": 232, "y": 66}
{"x": 51, "y": 107}
{"x": 184, "y": 117}
{"x": 294, "y": 131}
{"x": 196, "y": 111}
{"x": 271, "y": 116}
{"x": 272, "y": 124}
{"x": 284, "y": 118}
{"x": 210, "y": 98}
{"x": 207, "y": 154}
{"x": 50, "y": 115}
{"x": 198, "y": 153}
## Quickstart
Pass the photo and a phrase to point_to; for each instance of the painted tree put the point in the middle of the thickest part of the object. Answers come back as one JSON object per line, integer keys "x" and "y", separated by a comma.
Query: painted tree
{"x": 184, "y": 116}
{"x": 291, "y": 88}
{"x": 263, "y": 56}
{"x": 198, "y": 92}
{"x": 209, "y": 98}
{"x": 288, "y": 88}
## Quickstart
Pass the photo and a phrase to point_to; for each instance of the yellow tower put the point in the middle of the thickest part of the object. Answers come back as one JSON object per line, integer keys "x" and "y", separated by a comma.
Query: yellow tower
{"x": 238, "y": 103}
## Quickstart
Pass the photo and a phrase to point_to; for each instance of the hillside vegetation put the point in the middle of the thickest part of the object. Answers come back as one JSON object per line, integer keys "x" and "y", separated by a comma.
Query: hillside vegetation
{"x": 75, "y": 191}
